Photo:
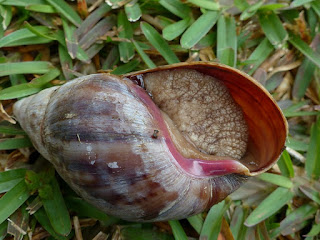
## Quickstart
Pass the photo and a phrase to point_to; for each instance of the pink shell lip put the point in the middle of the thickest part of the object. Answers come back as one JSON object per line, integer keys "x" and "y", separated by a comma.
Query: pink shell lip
{"x": 195, "y": 167}
{"x": 267, "y": 125}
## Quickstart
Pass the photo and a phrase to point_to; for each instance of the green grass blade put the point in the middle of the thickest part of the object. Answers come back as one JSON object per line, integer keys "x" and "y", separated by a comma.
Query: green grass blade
{"x": 276, "y": 179}
{"x": 301, "y": 113}
{"x": 241, "y": 4}
{"x": 38, "y": 32}
{"x": 212, "y": 224}
{"x": 270, "y": 205}
{"x": 312, "y": 165}
{"x": 133, "y": 11}
{"x": 6, "y": 13}
{"x": 41, "y": 8}
{"x": 25, "y": 37}
{"x": 176, "y": 7}
{"x": 140, "y": 232}
{"x": 196, "y": 222}
{"x": 29, "y": 41}
{"x": 18, "y": 91}
{"x": 116, "y": 3}
{"x": 92, "y": 20}
{"x": 237, "y": 222}
{"x": 312, "y": 19}
{"x": 84, "y": 209}
{"x": 66, "y": 62}
{"x": 43, "y": 219}
{"x": 296, "y": 217}
{"x": 273, "y": 28}
{"x": 164, "y": 21}
{"x": 315, "y": 231}
{"x": 126, "y": 49}
{"x": 207, "y": 4}
{"x": 199, "y": 29}
{"x": 297, "y": 144}
{"x": 57, "y": 211}
{"x": 227, "y": 41}
{"x": 143, "y": 55}
{"x": 125, "y": 68}
{"x": 295, "y": 110}
{"x": 62, "y": 7}
{"x": 159, "y": 43}
{"x": 70, "y": 37}
{"x": 94, "y": 50}
{"x": 13, "y": 199}
{"x": 174, "y": 30}
{"x": 22, "y": 3}
{"x": 259, "y": 55}
{"x": 250, "y": 10}
{"x": 11, "y": 178}
{"x": 11, "y": 130}
{"x": 298, "y": 3}
{"x": 12, "y": 174}
{"x": 303, "y": 78}
{"x": 7, "y": 186}
{"x": 285, "y": 165}
{"x": 272, "y": 7}
{"x": 298, "y": 43}
{"x": 16, "y": 79}
{"x": 82, "y": 55}
{"x": 26, "y": 89}
{"x": 316, "y": 7}
{"x": 296, "y": 106}
{"x": 209, "y": 40}
{"x": 70, "y": 41}
{"x": 311, "y": 193}
{"x": 25, "y": 68}
{"x": 177, "y": 230}
{"x": 14, "y": 143}
{"x": 112, "y": 59}
{"x": 98, "y": 30}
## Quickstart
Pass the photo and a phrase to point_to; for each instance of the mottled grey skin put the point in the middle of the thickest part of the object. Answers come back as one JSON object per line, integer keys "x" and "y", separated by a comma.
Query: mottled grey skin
{"x": 97, "y": 132}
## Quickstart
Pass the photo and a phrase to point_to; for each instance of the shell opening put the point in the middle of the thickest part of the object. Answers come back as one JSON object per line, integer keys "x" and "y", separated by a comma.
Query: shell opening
{"x": 257, "y": 124}
{"x": 204, "y": 120}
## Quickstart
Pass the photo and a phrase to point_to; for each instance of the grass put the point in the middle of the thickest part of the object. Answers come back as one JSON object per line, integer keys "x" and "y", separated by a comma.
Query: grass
{"x": 45, "y": 43}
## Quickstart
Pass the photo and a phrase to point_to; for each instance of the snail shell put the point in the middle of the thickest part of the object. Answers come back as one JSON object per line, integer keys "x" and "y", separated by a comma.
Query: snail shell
{"x": 205, "y": 128}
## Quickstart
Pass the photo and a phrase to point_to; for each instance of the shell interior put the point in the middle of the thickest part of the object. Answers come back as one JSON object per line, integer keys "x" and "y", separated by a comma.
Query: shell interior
{"x": 267, "y": 127}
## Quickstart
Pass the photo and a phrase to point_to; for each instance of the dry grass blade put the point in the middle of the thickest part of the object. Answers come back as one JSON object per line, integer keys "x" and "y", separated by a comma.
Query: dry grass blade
{"x": 100, "y": 236}
{"x": 77, "y": 228}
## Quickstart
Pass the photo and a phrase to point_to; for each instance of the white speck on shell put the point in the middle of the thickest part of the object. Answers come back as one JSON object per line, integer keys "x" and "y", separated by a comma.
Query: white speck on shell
{"x": 113, "y": 165}
{"x": 70, "y": 115}
{"x": 89, "y": 151}
{"x": 89, "y": 148}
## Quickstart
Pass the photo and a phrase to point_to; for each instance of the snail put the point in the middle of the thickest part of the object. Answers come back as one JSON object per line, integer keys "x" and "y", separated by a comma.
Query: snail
{"x": 158, "y": 144}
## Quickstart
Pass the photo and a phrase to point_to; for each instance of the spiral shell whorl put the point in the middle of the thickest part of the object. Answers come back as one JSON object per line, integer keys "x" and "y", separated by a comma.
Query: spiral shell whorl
{"x": 30, "y": 112}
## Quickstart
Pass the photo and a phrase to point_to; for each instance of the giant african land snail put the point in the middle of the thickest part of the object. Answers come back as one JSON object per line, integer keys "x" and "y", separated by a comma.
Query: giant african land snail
{"x": 167, "y": 152}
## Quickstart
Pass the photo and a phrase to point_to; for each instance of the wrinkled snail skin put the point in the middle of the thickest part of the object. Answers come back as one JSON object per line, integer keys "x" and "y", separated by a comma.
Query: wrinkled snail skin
{"x": 111, "y": 143}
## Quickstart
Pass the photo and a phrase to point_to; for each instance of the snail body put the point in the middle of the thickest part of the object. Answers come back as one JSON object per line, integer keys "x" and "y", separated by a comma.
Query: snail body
{"x": 137, "y": 157}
